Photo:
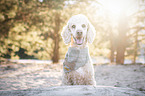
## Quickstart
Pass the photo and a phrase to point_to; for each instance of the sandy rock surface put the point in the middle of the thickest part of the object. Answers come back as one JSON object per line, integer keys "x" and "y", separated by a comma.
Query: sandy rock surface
{"x": 131, "y": 76}
{"x": 75, "y": 91}
{"x": 40, "y": 79}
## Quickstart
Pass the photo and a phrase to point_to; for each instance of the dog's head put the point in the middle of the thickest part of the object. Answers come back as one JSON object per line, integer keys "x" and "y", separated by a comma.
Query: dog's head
{"x": 80, "y": 29}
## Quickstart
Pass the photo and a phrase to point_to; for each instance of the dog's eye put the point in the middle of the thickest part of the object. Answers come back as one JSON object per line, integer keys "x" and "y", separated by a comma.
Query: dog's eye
{"x": 84, "y": 26}
{"x": 73, "y": 26}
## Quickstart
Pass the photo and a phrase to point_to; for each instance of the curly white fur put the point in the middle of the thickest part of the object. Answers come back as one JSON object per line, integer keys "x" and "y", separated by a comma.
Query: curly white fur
{"x": 79, "y": 23}
{"x": 66, "y": 34}
{"x": 91, "y": 33}
{"x": 78, "y": 19}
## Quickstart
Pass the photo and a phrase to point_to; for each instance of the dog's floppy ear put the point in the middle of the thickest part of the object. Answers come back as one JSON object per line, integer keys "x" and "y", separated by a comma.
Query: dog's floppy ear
{"x": 66, "y": 34}
{"x": 91, "y": 33}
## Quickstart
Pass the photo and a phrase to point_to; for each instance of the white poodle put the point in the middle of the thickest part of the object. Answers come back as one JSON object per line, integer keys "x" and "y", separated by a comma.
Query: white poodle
{"x": 77, "y": 66}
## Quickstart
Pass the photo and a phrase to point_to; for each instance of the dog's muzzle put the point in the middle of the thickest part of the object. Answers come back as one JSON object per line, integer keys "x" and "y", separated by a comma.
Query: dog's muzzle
{"x": 78, "y": 40}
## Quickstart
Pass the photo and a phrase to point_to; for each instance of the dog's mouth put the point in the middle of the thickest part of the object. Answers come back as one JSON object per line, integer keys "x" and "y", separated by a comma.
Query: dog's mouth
{"x": 79, "y": 40}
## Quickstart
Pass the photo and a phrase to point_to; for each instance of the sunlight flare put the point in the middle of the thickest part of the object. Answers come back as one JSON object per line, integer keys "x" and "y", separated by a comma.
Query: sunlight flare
{"x": 116, "y": 7}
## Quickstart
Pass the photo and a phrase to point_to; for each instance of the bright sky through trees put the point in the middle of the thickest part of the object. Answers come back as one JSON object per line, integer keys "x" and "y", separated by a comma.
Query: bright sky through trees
{"x": 115, "y": 7}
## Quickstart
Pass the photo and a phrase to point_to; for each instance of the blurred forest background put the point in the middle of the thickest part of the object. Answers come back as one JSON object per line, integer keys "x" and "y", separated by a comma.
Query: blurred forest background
{"x": 30, "y": 29}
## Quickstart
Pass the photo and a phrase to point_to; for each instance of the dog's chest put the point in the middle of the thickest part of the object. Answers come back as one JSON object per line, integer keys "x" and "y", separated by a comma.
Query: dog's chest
{"x": 75, "y": 58}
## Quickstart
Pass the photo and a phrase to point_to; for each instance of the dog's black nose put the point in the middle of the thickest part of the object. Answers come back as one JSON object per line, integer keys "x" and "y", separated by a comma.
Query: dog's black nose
{"x": 79, "y": 33}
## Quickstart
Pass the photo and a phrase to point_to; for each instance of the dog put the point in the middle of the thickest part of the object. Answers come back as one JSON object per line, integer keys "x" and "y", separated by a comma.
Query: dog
{"x": 77, "y": 66}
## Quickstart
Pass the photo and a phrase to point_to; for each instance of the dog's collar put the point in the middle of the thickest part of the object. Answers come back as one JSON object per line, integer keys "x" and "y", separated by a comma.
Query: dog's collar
{"x": 75, "y": 58}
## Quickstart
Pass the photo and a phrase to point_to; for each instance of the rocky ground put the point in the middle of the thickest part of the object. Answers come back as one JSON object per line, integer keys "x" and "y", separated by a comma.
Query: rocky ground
{"x": 23, "y": 77}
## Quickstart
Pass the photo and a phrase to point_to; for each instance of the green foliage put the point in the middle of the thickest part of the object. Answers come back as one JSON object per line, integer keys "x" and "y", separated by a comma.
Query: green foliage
{"x": 28, "y": 25}
{"x": 31, "y": 25}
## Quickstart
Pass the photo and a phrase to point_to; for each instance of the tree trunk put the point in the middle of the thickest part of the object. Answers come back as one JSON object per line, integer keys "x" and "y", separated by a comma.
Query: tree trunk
{"x": 135, "y": 47}
{"x": 112, "y": 51}
{"x": 112, "y": 46}
{"x": 55, "y": 57}
{"x": 122, "y": 39}
{"x": 111, "y": 39}
{"x": 120, "y": 54}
